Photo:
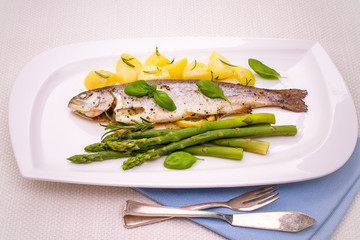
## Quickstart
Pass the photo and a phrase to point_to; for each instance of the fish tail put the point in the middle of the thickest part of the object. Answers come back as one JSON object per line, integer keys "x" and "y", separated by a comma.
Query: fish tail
{"x": 292, "y": 99}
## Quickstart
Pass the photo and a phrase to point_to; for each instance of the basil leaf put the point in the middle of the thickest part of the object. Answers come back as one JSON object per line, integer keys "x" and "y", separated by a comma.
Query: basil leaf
{"x": 263, "y": 70}
{"x": 139, "y": 88}
{"x": 164, "y": 101}
{"x": 180, "y": 160}
{"x": 153, "y": 86}
{"x": 142, "y": 88}
{"x": 211, "y": 89}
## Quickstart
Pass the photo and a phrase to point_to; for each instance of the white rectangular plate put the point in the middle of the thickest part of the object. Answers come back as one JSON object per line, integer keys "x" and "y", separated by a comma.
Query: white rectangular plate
{"x": 44, "y": 132}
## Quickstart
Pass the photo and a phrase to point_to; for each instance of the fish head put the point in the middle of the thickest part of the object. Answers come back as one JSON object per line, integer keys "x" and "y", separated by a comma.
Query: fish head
{"x": 93, "y": 103}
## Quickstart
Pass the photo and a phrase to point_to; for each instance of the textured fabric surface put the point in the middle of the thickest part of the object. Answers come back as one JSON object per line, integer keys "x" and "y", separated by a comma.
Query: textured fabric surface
{"x": 46, "y": 210}
{"x": 326, "y": 199}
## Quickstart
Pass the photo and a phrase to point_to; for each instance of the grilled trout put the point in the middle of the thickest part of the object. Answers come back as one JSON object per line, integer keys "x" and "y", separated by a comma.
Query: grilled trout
{"x": 189, "y": 100}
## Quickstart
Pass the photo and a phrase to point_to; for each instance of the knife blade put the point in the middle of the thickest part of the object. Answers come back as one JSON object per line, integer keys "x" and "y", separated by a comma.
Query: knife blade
{"x": 279, "y": 221}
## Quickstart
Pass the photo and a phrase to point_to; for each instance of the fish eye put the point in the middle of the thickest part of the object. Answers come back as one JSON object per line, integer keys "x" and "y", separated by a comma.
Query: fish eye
{"x": 82, "y": 96}
{"x": 85, "y": 95}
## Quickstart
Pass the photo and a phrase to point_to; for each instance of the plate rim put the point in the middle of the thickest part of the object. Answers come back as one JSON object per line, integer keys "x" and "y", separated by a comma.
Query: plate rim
{"x": 29, "y": 171}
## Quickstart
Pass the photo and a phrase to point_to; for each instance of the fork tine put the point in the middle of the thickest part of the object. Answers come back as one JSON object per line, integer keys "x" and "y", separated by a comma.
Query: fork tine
{"x": 253, "y": 205}
{"x": 258, "y": 193}
{"x": 264, "y": 203}
{"x": 261, "y": 200}
{"x": 265, "y": 190}
{"x": 260, "y": 196}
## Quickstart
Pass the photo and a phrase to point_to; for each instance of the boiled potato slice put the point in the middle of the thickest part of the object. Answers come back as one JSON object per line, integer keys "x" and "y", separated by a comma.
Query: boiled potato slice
{"x": 192, "y": 122}
{"x": 156, "y": 59}
{"x": 153, "y": 72}
{"x": 197, "y": 71}
{"x": 220, "y": 66}
{"x": 128, "y": 68}
{"x": 176, "y": 69}
{"x": 244, "y": 76}
{"x": 99, "y": 79}
{"x": 232, "y": 79}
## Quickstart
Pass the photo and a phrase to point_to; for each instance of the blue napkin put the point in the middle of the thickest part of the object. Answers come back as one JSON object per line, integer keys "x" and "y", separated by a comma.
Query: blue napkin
{"x": 326, "y": 199}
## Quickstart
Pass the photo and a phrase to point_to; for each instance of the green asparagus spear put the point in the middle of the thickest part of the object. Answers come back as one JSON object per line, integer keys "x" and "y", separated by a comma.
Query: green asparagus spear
{"x": 206, "y": 137}
{"x": 259, "y": 125}
{"x": 248, "y": 144}
{"x": 137, "y": 135}
{"x": 100, "y": 147}
{"x": 99, "y": 156}
{"x": 163, "y": 136}
{"x": 216, "y": 151}
{"x": 233, "y": 144}
{"x": 149, "y": 133}
{"x": 201, "y": 128}
{"x": 107, "y": 153}
{"x": 97, "y": 147}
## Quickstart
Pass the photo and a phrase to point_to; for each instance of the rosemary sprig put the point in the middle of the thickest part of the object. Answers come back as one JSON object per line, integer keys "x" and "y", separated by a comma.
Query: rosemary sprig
{"x": 126, "y": 61}
{"x": 247, "y": 81}
{"x": 194, "y": 66}
{"x": 153, "y": 72}
{"x": 226, "y": 63}
{"x": 212, "y": 76}
{"x": 157, "y": 51}
{"x": 117, "y": 125}
{"x": 101, "y": 75}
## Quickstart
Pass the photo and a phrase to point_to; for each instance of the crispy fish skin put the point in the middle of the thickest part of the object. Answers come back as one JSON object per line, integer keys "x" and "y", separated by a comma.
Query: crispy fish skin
{"x": 189, "y": 100}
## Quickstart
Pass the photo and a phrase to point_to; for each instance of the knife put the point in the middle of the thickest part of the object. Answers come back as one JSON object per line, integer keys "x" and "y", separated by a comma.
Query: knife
{"x": 279, "y": 221}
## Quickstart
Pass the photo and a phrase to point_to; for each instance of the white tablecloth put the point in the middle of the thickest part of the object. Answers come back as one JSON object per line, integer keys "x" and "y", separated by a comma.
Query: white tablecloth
{"x": 32, "y": 209}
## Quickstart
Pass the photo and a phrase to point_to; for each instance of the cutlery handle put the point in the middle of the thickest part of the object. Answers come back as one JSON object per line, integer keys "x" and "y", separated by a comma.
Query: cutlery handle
{"x": 139, "y": 209}
{"x": 279, "y": 221}
{"x": 131, "y": 221}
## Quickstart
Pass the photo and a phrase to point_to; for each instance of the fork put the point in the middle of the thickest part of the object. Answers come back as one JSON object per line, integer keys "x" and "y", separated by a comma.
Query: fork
{"x": 277, "y": 221}
{"x": 246, "y": 202}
